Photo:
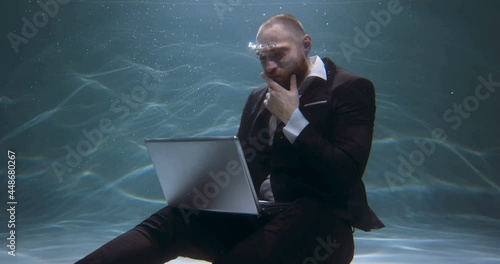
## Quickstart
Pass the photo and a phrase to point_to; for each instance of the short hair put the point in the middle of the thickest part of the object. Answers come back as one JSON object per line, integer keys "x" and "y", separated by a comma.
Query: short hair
{"x": 287, "y": 20}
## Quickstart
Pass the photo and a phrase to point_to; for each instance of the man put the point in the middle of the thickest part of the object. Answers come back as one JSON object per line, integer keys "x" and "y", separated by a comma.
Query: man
{"x": 309, "y": 131}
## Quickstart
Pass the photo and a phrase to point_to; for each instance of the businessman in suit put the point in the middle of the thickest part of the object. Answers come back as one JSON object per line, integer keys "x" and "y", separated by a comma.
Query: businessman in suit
{"x": 307, "y": 133}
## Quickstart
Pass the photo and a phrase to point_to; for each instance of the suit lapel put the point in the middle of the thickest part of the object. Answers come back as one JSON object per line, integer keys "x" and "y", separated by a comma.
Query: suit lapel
{"x": 318, "y": 89}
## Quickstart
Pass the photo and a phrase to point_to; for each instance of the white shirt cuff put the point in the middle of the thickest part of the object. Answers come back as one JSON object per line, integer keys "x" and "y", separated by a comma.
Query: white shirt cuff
{"x": 295, "y": 125}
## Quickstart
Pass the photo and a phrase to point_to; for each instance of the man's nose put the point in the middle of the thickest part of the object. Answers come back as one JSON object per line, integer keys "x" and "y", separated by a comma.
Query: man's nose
{"x": 270, "y": 66}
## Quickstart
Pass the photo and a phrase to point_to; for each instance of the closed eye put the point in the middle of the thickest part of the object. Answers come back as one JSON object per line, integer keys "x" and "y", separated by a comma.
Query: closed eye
{"x": 275, "y": 55}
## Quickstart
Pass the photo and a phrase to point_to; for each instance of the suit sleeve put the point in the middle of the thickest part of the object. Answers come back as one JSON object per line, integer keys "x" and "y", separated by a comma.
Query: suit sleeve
{"x": 257, "y": 160}
{"x": 245, "y": 124}
{"x": 342, "y": 154}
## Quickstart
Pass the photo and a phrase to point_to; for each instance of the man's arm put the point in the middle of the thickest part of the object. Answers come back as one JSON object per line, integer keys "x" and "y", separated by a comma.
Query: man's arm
{"x": 341, "y": 156}
{"x": 252, "y": 145}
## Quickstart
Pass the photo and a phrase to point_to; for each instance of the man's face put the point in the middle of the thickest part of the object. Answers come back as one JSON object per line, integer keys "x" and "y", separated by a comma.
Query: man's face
{"x": 283, "y": 54}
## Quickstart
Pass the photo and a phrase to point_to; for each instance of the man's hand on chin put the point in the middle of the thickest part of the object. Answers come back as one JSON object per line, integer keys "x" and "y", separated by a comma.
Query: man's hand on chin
{"x": 280, "y": 101}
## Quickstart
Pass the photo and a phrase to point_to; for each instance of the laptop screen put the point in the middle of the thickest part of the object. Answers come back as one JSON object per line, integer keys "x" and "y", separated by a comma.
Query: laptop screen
{"x": 204, "y": 174}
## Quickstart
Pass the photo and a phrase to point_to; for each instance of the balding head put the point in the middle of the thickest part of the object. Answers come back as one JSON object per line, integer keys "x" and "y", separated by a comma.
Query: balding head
{"x": 289, "y": 23}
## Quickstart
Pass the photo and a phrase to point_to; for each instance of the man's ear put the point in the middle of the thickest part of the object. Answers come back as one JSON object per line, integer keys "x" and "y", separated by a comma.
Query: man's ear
{"x": 307, "y": 41}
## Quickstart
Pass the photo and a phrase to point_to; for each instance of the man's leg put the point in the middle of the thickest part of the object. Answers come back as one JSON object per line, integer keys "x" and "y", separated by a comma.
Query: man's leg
{"x": 145, "y": 243}
{"x": 166, "y": 235}
{"x": 307, "y": 232}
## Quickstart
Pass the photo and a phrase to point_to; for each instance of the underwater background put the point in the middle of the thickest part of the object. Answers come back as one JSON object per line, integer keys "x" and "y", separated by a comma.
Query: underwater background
{"x": 83, "y": 83}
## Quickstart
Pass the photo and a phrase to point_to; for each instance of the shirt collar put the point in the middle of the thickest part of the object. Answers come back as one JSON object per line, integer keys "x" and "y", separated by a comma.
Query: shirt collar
{"x": 317, "y": 70}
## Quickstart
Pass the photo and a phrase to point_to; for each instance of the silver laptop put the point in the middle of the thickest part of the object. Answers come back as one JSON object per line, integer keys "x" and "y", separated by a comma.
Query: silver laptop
{"x": 206, "y": 174}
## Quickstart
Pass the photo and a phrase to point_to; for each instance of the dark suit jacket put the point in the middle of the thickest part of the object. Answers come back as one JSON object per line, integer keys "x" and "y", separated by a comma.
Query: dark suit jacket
{"x": 328, "y": 158}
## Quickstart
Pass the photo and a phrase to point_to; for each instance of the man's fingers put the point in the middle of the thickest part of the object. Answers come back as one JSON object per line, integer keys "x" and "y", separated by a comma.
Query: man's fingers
{"x": 293, "y": 83}
{"x": 267, "y": 78}
{"x": 272, "y": 84}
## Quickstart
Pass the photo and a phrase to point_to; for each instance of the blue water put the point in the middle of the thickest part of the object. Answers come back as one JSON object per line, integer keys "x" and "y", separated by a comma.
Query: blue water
{"x": 77, "y": 74}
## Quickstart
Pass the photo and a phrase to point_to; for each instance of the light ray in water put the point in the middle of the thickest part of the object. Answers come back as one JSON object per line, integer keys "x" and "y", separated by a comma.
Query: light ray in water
{"x": 43, "y": 116}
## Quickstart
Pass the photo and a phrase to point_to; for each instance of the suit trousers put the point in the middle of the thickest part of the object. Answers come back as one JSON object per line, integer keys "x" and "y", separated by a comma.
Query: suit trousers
{"x": 307, "y": 232}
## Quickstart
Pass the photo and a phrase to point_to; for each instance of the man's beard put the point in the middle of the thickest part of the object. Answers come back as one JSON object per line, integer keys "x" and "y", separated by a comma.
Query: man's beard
{"x": 299, "y": 72}
{"x": 285, "y": 81}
